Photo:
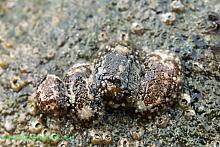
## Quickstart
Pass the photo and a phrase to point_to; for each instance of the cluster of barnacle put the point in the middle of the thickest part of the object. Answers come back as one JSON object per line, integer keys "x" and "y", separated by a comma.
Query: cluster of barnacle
{"x": 119, "y": 78}
{"x": 98, "y": 137}
{"x": 38, "y": 126}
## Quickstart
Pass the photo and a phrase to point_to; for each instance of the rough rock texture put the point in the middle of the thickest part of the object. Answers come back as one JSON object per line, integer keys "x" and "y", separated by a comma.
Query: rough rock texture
{"x": 48, "y": 37}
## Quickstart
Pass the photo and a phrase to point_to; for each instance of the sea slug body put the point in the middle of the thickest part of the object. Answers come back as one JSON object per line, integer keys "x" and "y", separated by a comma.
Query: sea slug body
{"x": 118, "y": 78}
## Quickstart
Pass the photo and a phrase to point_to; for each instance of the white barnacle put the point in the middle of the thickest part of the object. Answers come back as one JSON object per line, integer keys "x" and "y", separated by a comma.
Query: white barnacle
{"x": 85, "y": 113}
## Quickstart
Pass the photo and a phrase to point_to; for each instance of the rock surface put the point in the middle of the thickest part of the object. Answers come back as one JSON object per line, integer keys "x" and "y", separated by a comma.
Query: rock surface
{"x": 38, "y": 38}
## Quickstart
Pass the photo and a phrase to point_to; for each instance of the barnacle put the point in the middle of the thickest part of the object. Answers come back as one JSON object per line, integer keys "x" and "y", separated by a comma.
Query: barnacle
{"x": 45, "y": 132}
{"x": 103, "y": 37}
{"x": 214, "y": 143}
{"x": 159, "y": 84}
{"x": 185, "y": 101}
{"x": 107, "y": 138}
{"x": 138, "y": 143}
{"x": 117, "y": 73}
{"x": 37, "y": 125}
{"x": 189, "y": 114}
{"x": 210, "y": 24}
{"x": 124, "y": 142}
{"x": 96, "y": 137}
{"x": 32, "y": 105}
{"x": 168, "y": 18}
{"x": 100, "y": 137}
{"x": 84, "y": 103}
{"x": 63, "y": 143}
{"x": 177, "y": 6}
{"x": 162, "y": 121}
{"x": 138, "y": 28}
{"x": 51, "y": 96}
{"x": 54, "y": 138}
{"x": 17, "y": 84}
{"x": 137, "y": 132}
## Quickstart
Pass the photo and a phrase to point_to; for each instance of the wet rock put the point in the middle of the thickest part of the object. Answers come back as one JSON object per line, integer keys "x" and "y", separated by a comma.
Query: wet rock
{"x": 79, "y": 24}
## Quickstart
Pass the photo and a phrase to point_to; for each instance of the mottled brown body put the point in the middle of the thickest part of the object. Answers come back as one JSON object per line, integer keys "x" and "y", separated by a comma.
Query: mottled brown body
{"x": 160, "y": 81}
{"x": 118, "y": 78}
{"x": 51, "y": 96}
{"x": 117, "y": 74}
